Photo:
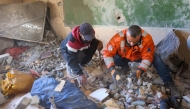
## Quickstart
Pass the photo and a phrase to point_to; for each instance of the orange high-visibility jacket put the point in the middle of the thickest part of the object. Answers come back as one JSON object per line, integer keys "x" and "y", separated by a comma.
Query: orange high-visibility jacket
{"x": 117, "y": 44}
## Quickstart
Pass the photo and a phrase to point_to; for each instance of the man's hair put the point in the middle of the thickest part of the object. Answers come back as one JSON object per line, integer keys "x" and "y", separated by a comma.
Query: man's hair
{"x": 134, "y": 31}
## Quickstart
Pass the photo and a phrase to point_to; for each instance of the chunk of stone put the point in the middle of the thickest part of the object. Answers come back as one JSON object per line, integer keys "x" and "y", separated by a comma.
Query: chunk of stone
{"x": 131, "y": 107}
{"x": 138, "y": 102}
{"x": 141, "y": 91}
{"x": 35, "y": 100}
{"x": 139, "y": 82}
{"x": 140, "y": 107}
{"x": 187, "y": 97}
{"x": 116, "y": 96}
{"x": 9, "y": 60}
{"x": 158, "y": 81}
{"x": 112, "y": 86}
{"x": 4, "y": 56}
{"x": 24, "y": 103}
{"x": 142, "y": 96}
{"x": 130, "y": 100}
{"x": 129, "y": 83}
{"x": 120, "y": 104}
{"x": 111, "y": 102}
{"x": 145, "y": 83}
{"x": 97, "y": 71}
{"x": 123, "y": 93}
{"x": 2, "y": 99}
{"x": 131, "y": 91}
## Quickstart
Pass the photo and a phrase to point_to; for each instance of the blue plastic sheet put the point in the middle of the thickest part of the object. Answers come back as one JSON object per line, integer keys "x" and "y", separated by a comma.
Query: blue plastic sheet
{"x": 71, "y": 97}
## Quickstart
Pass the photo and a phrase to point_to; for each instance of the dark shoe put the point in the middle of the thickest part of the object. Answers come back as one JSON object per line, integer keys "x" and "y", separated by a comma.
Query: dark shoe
{"x": 174, "y": 91}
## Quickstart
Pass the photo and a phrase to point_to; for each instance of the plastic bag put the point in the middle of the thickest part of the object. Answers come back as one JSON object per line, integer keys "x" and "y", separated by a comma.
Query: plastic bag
{"x": 70, "y": 97}
{"x": 17, "y": 82}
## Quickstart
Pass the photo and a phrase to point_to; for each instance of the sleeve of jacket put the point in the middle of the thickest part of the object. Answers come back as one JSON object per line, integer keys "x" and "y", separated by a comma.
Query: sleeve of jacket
{"x": 147, "y": 54}
{"x": 110, "y": 51}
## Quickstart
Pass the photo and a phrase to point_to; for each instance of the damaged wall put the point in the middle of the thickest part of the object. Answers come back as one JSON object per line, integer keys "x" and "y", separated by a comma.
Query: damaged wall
{"x": 146, "y": 13}
{"x": 104, "y": 31}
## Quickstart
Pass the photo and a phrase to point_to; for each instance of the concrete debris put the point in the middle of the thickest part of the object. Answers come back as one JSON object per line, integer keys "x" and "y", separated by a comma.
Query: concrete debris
{"x": 4, "y": 56}
{"x": 138, "y": 103}
{"x": 45, "y": 55}
{"x": 9, "y": 60}
{"x": 187, "y": 97}
{"x": 24, "y": 103}
{"x": 2, "y": 99}
{"x": 35, "y": 100}
{"x": 111, "y": 102}
{"x": 99, "y": 94}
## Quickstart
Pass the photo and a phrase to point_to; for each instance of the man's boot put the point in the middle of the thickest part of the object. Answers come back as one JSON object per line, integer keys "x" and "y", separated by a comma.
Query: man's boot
{"x": 174, "y": 91}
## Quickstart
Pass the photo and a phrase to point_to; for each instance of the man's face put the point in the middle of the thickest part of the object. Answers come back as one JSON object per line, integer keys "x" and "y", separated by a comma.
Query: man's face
{"x": 131, "y": 40}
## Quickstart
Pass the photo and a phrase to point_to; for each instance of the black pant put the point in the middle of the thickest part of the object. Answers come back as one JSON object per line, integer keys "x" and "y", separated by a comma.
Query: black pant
{"x": 168, "y": 103}
{"x": 86, "y": 55}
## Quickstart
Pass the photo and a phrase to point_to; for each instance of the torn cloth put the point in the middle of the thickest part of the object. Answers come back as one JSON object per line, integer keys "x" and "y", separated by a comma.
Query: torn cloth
{"x": 15, "y": 51}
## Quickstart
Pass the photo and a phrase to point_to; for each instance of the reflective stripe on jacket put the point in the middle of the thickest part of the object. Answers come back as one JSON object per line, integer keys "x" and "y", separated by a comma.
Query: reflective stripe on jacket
{"x": 117, "y": 45}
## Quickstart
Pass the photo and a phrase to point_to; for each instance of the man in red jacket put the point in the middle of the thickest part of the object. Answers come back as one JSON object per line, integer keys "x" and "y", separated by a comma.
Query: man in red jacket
{"x": 78, "y": 48}
{"x": 135, "y": 44}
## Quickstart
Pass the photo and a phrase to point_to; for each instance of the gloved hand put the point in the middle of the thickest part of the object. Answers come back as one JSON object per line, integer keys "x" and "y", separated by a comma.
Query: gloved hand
{"x": 135, "y": 75}
{"x": 115, "y": 73}
{"x": 100, "y": 46}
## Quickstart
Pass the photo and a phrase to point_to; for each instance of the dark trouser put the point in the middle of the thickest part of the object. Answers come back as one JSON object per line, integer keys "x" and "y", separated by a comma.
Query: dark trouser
{"x": 86, "y": 55}
{"x": 161, "y": 68}
{"x": 168, "y": 103}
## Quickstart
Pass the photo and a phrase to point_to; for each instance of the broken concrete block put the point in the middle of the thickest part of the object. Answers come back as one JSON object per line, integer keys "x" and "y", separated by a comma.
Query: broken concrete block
{"x": 130, "y": 100}
{"x": 24, "y": 103}
{"x": 9, "y": 60}
{"x": 45, "y": 54}
{"x": 140, "y": 107}
{"x": 112, "y": 86}
{"x": 35, "y": 100}
{"x": 131, "y": 107}
{"x": 139, "y": 82}
{"x": 111, "y": 107}
{"x": 138, "y": 102}
{"x": 111, "y": 102}
{"x": 4, "y": 56}
{"x": 97, "y": 71}
{"x": 31, "y": 59}
{"x": 158, "y": 81}
{"x": 145, "y": 83}
{"x": 116, "y": 96}
{"x": 187, "y": 97}
{"x": 120, "y": 104}
{"x": 99, "y": 94}
{"x": 2, "y": 99}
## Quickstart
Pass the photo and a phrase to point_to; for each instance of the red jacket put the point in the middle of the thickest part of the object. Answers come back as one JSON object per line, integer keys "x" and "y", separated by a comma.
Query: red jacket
{"x": 117, "y": 44}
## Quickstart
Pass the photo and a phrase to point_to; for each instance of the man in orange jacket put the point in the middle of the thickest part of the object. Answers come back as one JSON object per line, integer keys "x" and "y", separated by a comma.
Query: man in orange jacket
{"x": 135, "y": 44}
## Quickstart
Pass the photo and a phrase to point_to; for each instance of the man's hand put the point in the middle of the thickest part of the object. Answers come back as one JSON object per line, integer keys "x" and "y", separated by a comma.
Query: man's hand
{"x": 83, "y": 79}
{"x": 100, "y": 46}
{"x": 115, "y": 76}
{"x": 135, "y": 76}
